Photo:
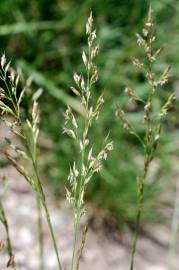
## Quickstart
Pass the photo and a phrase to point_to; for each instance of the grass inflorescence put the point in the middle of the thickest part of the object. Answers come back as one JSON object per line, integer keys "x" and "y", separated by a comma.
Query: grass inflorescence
{"x": 26, "y": 129}
{"x": 90, "y": 163}
{"x": 152, "y": 120}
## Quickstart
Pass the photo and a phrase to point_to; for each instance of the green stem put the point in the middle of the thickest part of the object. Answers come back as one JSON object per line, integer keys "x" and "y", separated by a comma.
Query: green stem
{"x": 83, "y": 239}
{"x": 134, "y": 244}
{"x": 44, "y": 204}
{"x": 40, "y": 235}
{"x": 9, "y": 246}
{"x": 42, "y": 199}
{"x": 141, "y": 186}
{"x": 6, "y": 226}
{"x": 76, "y": 225}
{"x": 77, "y": 219}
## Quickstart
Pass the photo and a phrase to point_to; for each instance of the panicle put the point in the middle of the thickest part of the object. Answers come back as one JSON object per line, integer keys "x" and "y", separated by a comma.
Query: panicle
{"x": 90, "y": 163}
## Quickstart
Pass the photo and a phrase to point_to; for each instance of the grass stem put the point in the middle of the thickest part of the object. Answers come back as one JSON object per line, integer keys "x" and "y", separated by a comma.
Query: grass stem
{"x": 40, "y": 234}
{"x": 44, "y": 204}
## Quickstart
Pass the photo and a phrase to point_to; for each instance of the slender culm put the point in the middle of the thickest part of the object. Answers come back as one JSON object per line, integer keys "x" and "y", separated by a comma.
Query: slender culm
{"x": 3, "y": 220}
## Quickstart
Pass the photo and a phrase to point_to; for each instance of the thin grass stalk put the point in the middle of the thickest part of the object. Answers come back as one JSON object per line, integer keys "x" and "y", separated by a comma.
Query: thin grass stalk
{"x": 47, "y": 213}
{"x": 40, "y": 234}
{"x": 33, "y": 157}
{"x": 138, "y": 219}
{"x": 4, "y": 221}
{"x": 76, "y": 226}
{"x": 38, "y": 202}
{"x": 77, "y": 219}
{"x": 83, "y": 240}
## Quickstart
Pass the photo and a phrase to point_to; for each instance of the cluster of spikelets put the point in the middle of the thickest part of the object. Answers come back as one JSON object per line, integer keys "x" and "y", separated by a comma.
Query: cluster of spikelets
{"x": 152, "y": 121}
{"x": 25, "y": 127}
{"x": 89, "y": 162}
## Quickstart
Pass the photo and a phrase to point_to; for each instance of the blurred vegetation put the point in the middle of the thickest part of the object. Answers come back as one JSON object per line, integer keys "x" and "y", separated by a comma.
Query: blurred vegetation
{"x": 45, "y": 39}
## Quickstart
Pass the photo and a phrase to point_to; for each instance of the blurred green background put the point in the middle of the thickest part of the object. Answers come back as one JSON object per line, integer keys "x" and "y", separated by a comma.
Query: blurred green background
{"x": 45, "y": 39}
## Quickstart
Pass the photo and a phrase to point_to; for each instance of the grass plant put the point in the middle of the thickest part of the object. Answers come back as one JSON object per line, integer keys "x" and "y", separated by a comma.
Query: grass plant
{"x": 25, "y": 127}
{"x": 90, "y": 163}
{"x": 152, "y": 120}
